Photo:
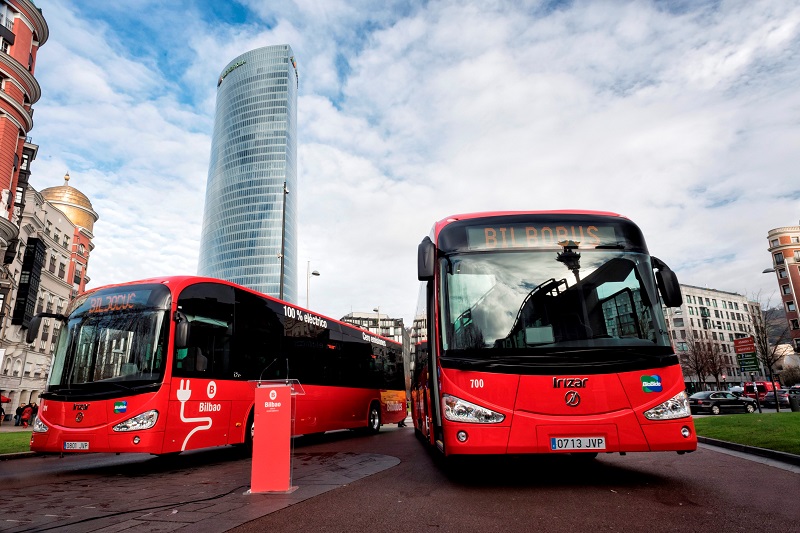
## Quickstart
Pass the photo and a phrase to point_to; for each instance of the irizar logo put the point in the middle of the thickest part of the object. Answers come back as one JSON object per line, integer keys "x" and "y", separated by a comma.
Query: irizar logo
{"x": 651, "y": 383}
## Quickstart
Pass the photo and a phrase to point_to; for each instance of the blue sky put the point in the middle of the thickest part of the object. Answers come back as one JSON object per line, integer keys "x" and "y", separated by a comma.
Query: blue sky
{"x": 683, "y": 116}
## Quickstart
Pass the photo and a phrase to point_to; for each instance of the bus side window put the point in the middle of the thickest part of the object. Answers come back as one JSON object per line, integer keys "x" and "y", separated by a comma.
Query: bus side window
{"x": 180, "y": 358}
{"x": 258, "y": 339}
{"x": 209, "y": 309}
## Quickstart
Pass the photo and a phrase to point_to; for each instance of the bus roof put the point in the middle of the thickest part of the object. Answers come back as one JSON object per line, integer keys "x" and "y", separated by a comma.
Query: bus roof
{"x": 484, "y": 214}
{"x": 178, "y": 283}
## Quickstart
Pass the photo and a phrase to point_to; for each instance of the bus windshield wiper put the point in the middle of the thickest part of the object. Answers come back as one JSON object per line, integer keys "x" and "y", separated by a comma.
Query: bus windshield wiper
{"x": 467, "y": 362}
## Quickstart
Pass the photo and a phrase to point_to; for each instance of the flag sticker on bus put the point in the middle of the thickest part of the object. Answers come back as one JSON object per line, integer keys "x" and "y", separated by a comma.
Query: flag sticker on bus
{"x": 651, "y": 383}
{"x": 120, "y": 407}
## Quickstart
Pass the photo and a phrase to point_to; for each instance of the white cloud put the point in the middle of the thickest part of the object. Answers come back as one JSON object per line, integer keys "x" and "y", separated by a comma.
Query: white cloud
{"x": 686, "y": 122}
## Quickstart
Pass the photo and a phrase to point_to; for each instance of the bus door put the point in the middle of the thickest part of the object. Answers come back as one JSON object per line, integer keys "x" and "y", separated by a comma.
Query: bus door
{"x": 201, "y": 391}
{"x": 434, "y": 401}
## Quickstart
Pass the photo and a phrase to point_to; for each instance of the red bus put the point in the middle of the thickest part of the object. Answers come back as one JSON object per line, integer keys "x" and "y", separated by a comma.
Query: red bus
{"x": 165, "y": 365}
{"x": 543, "y": 332}
{"x": 763, "y": 387}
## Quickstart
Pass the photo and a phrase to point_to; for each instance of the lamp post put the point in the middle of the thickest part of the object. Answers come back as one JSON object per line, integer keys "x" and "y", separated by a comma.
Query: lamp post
{"x": 767, "y": 357}
{"x": 570, "y": 257}
{"x": 308, "y": 280}
{"x": 283, "y": 235}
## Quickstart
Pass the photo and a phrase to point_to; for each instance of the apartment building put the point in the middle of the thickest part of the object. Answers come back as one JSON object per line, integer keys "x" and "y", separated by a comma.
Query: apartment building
{"x": 715, "y": 318}
{"x": 784, "y": 246}
{"x": 47, "y": 270}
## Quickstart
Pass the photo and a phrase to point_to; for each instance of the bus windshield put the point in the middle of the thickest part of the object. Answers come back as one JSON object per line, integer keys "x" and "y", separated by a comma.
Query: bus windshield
{"x": 545, "y": 301}
{"x": 114, "y": 340}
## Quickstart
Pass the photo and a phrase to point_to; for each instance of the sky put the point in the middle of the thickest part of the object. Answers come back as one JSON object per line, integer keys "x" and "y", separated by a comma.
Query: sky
{"x": 683, "y": 116}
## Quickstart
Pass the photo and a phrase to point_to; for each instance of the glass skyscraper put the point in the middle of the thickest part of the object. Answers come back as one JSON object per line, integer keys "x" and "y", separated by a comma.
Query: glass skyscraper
{"x": 253, "y": 153}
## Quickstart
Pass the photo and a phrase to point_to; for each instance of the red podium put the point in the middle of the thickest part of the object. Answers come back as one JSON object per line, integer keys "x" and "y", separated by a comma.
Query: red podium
{"x": 272, "y": 436}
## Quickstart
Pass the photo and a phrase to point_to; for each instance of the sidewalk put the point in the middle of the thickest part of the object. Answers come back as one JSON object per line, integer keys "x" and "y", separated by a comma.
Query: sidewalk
{"x": 8, "y": 427}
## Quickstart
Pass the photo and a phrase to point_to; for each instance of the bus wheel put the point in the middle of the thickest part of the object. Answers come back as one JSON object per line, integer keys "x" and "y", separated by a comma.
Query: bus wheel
{"x": 374, "y": 419}
{"x": 249, "y": 429}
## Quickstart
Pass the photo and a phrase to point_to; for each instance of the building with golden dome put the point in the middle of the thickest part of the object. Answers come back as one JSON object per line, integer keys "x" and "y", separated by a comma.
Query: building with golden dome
{"x": 78, "y": 209}
{"x": 48, "y": 268}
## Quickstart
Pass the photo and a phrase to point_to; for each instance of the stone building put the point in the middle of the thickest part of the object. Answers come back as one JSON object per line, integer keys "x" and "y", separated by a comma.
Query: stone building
{"x": 47, "y": 270}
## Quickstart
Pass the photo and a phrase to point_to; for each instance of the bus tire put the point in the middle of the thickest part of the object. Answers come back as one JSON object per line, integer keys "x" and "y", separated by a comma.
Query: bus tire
{"x": 374, "y": 419}
{"x": 249, "y": 428}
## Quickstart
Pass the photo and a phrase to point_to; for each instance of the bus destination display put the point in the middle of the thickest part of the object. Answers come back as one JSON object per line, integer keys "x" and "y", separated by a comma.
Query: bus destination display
{"x": 122, "y": 301}
{"x": 537, "y": 236}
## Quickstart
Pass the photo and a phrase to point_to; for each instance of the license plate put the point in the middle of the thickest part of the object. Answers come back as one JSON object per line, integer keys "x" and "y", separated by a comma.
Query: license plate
{"x": 76, "y": 445}
{"x": 577, "y": 443}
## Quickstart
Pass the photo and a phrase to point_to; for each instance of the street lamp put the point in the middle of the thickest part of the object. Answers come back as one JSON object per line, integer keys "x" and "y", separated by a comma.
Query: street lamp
{"x": 570, "y": 258}
{"x": 769, "y": 367}
{"x": 308, "y": 281}
{"x": 283, "y": 235}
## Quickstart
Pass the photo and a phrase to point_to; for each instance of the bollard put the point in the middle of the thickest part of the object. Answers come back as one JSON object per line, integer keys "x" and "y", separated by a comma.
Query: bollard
{"x": 794, "y": 403}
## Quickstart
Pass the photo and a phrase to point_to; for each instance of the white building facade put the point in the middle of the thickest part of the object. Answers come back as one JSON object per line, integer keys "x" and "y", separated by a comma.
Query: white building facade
{"x": 716, "y": 318}
{"x": 47, "y": 271}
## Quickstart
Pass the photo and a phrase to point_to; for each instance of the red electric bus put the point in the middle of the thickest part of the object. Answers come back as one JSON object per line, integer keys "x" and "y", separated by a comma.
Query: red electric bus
{"x": 543, "y": 332}
{"x": 169, "y": 364}
{"x": 763, "y": 387}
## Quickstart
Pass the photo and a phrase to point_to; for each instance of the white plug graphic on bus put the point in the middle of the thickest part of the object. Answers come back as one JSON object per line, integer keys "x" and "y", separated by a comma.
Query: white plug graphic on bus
{"x": 183, "y": 396}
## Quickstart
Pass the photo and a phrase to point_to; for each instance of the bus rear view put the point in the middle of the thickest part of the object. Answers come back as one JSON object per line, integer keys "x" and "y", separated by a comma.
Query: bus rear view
{"x": 543, "y": 332}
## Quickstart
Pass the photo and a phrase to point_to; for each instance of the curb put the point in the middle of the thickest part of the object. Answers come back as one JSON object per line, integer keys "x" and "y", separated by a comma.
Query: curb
{"x": 783, "y": 457}
{"x": 18, "y": 455}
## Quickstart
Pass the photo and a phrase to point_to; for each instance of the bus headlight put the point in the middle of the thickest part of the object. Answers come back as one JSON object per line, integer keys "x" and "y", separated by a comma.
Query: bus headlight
{"x": 138, "y": 422}
{"x": 675, "y": 407}
{"x": 39, "y": 426}
{"x": 459, "y": 410}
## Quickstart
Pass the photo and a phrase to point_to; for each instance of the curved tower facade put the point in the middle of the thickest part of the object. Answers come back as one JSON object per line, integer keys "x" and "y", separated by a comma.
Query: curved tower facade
{"x": 249, "y": 231}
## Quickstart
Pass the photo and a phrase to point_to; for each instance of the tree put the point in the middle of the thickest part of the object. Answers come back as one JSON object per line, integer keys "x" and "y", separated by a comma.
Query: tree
{"x": 791, "y": 376}
{"x": 715, "y": 362}
{"x": 695, "y": 360}
{"x": 769, "y": 325}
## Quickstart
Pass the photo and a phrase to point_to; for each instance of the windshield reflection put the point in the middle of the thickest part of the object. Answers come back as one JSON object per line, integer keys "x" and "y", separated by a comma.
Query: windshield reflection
{"x": 539, "y": 300}
{"x": 113, "y": 350}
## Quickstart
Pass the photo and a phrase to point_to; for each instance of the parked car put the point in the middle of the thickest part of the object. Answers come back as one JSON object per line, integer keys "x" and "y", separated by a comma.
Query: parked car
{"x": 783, "y": 398}
{"x": 717, "y": 402}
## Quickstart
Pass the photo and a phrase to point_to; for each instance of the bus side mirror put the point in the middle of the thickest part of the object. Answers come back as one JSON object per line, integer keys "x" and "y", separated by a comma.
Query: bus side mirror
{"x": 181, "y": 330}
{"x": 668, "y": 284}
{"x": 425, "y": 254}
{"x": 33, "y": 329}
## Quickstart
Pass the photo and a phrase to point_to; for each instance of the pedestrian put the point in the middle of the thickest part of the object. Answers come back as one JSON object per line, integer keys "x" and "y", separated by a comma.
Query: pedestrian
{"x": 27, "y": 411}
{"x": 34, "y": 412}
{"x": 18, "y": 415}
{"x": 2, "y": 415}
